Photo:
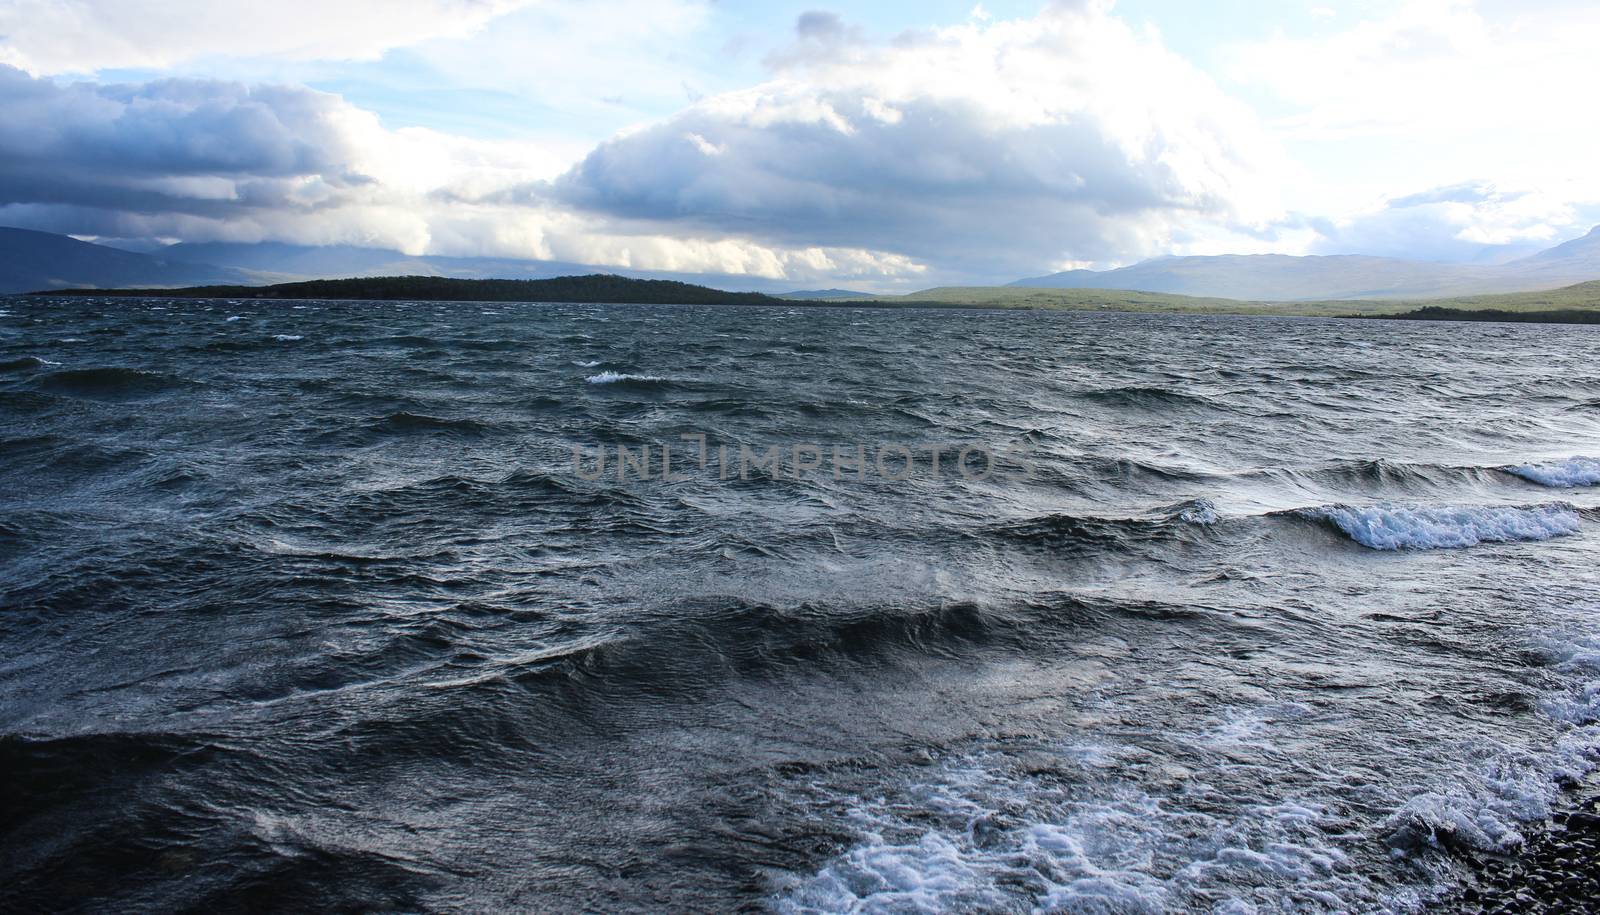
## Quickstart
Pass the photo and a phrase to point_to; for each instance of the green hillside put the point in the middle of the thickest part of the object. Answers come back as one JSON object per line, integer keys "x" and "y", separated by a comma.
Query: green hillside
{"x": 1582, "y": 297}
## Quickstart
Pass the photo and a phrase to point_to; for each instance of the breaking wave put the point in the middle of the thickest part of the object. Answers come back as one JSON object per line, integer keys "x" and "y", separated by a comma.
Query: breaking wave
{"x": 1574, "y": 471}
{"x": 1421, "y": 527}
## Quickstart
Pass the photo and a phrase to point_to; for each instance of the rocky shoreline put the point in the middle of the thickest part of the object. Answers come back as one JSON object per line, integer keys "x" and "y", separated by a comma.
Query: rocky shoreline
{"x": 1558, "y": 871}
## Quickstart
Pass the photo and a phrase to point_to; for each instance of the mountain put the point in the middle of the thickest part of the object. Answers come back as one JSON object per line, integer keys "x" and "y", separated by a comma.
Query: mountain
{"x": 32, "y": 260}
{"x": 596, "y": 287}
{"x": 278, "y": 262}
{"x": 814, "y": 294}
{"x": 1285, "y": 278}
{"x": 39, "y": 260}
{"x": 1581, "y": 255}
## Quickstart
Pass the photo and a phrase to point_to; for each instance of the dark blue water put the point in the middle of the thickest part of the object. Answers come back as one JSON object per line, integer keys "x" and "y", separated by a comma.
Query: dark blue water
{"x": 306, "y": 605}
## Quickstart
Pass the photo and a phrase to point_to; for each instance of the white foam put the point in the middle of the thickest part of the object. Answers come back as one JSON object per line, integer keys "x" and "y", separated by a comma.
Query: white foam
{"x": 1200, "y": 511}
{"x": 585, "y": 365}
{"x": 229, "y": 321}
{"x": 614, "y": 377}
{"x": 1575, "y": 653}
{"x": 928, "y": 875}
{"x": 1574, "y": 471}
{"x": 1400, "y": 527}
{"x": 287, "y": 338}
{"x": 956, "y": 844}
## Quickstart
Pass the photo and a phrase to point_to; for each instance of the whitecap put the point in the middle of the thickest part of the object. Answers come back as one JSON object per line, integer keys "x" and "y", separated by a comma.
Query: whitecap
{"x": 974, "y": 836}
{"x": 233, "y": 319}
{"x": 585, "y": 365}
{"x": 614, "y": 377}
{"x": 1401, "y": 527}
{"x": 1574, "y": 471}
{"x": 287, "y": 338}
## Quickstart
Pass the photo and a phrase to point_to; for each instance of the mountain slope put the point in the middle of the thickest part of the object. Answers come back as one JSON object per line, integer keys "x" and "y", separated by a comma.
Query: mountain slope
{"x": 807, "y": 295}
{"x": 1581, "y": 256}
{"x": 597, "y": 287}
{"x": 32, "y": 261}
{"x": 278, "y": 262}
{"x": 1280, "y": 277}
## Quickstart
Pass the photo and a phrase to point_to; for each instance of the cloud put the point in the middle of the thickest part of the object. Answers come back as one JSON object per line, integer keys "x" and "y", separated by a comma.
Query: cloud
{"x": 1421, "y": 66}
{"x": 987, "y": 148}
{"x": 206, "y": 160}
{"x": 1470, "y": 222}
{"x": 982, "y": 151}
{"x": 175, "y": 144}
{"x": 1475, "y": 99}
{"x": 591, "y": 67}
{"x": 67, "y": 36}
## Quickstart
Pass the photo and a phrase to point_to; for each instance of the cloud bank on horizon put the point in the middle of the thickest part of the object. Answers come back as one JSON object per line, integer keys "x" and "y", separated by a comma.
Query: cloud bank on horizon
{"x": 796, "y": 143}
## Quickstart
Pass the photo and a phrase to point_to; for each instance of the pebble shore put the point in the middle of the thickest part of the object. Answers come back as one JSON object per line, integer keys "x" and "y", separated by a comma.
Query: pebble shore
{"x": 1558, "y": 871}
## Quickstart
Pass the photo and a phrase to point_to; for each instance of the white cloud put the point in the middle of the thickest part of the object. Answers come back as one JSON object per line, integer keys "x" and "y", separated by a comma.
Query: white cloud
{"x": 77, "y": 36}
{"x": 985, "y": 148}
{"x": 205, "y": 160}
{"x": 1392, "y": 100}
{"x": 599, "y": 63}
{"x": 1438, "y": 71}
{"x": 1472, "y": 222}
{"x": 982, "y": 151}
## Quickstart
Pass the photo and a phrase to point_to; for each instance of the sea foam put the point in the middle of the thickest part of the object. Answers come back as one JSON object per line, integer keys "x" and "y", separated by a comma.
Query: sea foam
{"x": 615, "y": 377}
{"x": 1400, "y": 527}
{"x": 1574, "y": 471}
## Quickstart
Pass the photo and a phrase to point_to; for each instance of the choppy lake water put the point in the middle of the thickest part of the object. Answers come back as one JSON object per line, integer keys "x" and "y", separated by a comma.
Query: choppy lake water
{"x": 309, "y": 605}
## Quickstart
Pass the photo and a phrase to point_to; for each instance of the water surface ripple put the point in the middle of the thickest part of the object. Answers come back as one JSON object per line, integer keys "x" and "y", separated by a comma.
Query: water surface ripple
{"x": 304, "y": 605}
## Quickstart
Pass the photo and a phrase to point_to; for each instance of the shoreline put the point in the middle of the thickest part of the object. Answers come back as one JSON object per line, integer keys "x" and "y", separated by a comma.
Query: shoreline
{"x": 1430, "y": 314}
{"x": 1557, "y": 870}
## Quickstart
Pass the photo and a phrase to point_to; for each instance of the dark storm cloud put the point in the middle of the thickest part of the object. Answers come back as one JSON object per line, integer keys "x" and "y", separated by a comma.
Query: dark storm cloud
{"x": 188, "y": 146}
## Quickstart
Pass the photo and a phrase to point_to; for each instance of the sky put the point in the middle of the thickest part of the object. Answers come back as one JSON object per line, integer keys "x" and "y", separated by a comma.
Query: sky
{"x": 883, "y": 146}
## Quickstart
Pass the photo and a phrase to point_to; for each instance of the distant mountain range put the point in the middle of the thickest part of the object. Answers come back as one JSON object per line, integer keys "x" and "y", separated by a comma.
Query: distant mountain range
{"x": 596, "y": 287}
{"x": 275, "y": 262}
{"x": 39, "y": 260}
{"x": 1282, "y": 278}
{"x": 810, "y": 294}
{"x": 31, "y": 261}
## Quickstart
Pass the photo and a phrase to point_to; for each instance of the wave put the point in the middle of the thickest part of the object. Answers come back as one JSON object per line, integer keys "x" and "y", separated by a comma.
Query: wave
{"x": 1083, "y": 533}
{"x": 1146, "y": 397}
{"x": 1574, "y": 471}
{"x": 609, "y": 377}
{"x": 111, "y": 383}
{"x": 1197, "y": 511}
{"x": 1378, "y": 473}
{"x": 708, "y": 639}
{"x": 1130, "y": 470}
{"x": 1401, "y": 527}
{"x": 405, "y": 422}
{"x": 23, "y": 363}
